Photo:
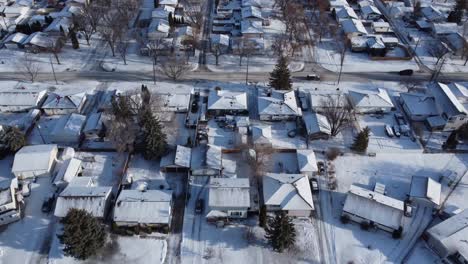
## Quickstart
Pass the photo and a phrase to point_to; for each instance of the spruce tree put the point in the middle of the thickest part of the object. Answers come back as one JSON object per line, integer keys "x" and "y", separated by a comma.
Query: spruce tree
{"x": 280, "y": 77}
{"x": 280, "y": 232}
{"x": 74, "y": 39}
{"x": 452, "y": 141}
{"x": 361, "y": 141}
{"x": 154, "y": 138}
{"x": 83, "y": 235}
{"x": 14, "y": 139}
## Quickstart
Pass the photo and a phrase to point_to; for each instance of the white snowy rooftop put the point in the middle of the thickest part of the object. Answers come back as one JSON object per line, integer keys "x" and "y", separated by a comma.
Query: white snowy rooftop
{"x": 91, "y": 199}
{"x": 34, "y": 158}
{"x": 279, "y": 103}
{"x": 425, "y": 187}
{"x": 378, "y": 99}
{"x": 316, "y": 123}
{"x": 288, "y": 191}
{"x": 229, "y": 193}
{"x": 227, "y": 100}
{"x": 306, "y": 160}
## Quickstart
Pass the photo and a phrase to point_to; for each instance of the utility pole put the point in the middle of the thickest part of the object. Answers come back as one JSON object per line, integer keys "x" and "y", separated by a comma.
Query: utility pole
{"x": 53, "y": 70}
{"x": 247, "y": 72}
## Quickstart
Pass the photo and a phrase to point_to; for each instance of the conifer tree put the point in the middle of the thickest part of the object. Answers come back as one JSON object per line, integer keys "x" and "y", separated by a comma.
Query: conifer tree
{"x": 154, "y": 138}
{"x": 452, "y": 141}
{"x": 280, "y": 232}
{"x": 83, "y": 235}
{"x": 280, "y": 77}
{"x": 361, "y": 141}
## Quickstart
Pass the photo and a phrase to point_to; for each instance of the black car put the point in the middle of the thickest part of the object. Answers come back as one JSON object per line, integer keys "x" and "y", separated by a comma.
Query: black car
{"x": 407, "y": 72}
{"x": 199, "y": 206}
{"x": 47, "y": 204}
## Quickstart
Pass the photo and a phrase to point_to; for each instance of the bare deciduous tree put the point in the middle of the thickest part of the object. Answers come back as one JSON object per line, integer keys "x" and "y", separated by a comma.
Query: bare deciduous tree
{"x": 338, "y": 112}
{"x": 55, "y": 47}
{"x": 110, "y": 29}
{"x": 244, "y": 48}
{"x": 437, "y": 50}
{"x": 216, "y": 50}
{"x": 154, "y": 47}
{"x": 174, "y": 68}
{"x": 194, "y": 15}
{"x": 28, "y": 67}
{"x": 123, "y": 44}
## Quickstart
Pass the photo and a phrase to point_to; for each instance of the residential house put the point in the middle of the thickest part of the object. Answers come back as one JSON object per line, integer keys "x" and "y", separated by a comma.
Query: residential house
{"x": 261, "y": 136}
{"x": 39, "y": 41}
{"x": 433, "y": 14}
{"x": 148, "y": 208}
{"x": 158, "y": 28}
{"x": 370, "y": 12}
{"x": 251, "y": 29}
{"x": 178, "y": 160}
{"x": 230, "y": 196}
{"x": 418, "y": 107}
{"x": 442, "y": 29}
{"x": 425, "y": 190}
{"x": 63, "y": 104}
{"x": 381, "y": 27}
{"x": 206, "y": 161}
{"x": 321, "y": 100}
{"x": 276, "y": 105}
{"x": 370, "y": 101}
{"x": 34, "y": 161}
{"x": 373, "y": 208}
{"x": 15, "y": 40}
{"x": 172, "y": 3}
{"x": 345, "y": 12}
{"x": 221, "y": 102}
{"x": 94, "y": 126}
{"x": 21, "y": 99}
{"x": 251, "y": 13}
{"x": 455, "y": 42}
{"x": 317, "y": 126}
{"x": 10, "y": 210}
{"x": 288, "y": 192}
{"x": 448, "y": 238}
{"x": 376, "y": 47}
{"x": 353, "y": 28}
{"x": 451, "y": 107}
{"x": 93, "y": 199}
{"x": 162, "y": 12}
{"x": 220, "y": 41}
{"x": 68, "y": 129}
{"x": 69, "y": 170}
{"x": 307, "y": 162}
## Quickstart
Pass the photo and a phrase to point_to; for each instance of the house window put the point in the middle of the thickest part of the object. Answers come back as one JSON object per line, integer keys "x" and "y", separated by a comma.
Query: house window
{"x": 236, "y": 213}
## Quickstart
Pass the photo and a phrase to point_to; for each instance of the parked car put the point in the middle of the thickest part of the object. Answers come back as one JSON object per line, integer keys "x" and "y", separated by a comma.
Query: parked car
{"x": 389, "y": 131}
{"x": 314, "y": 185}
{"x": 200, "y": 204}
{"x": 407, "y": 72}
{"x": 396, "y": 131}
{"x": 399, "y": 119}
{"x": 313, "y": 77}
{"x": 47, "y": 203}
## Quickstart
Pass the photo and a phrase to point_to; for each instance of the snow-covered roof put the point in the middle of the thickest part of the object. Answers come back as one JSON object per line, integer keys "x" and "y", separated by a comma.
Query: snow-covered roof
{"x": 380, "y": 24}
{"x": 180, "y": 157}
{"x": 93, "y": 123}
{"x": 221, "y": 39}
{"x": 447, "y": 102}
{"x": 68, "y": 170}
{"x": 227, "y": 100}
{"x": 251, "y": 12}
{"x": 143, "y": 207}
{"x": 94, "y": 200}
{"x": 229, "y": 193}
{"x": 40, "y": 39}
{"x": 375, "y": 43}
{"x": 378, "y": 99}
{"x": 432, "y": 14}
{"x": 452, "y": 233}
{"x": 279, "y": 103}
{"x": 425, "y": 187}
{"x": 159, "y": 25}
{"x": 214, "y": 157}
{"x": 58, "y": 101}
{"x": 353, "y": 26}
{"x": 261, "y": 134}
{"x": 68, "y": 126}
{"x": 319, "y": 99}
{"x": 17, "y": 38}
{"x": 168, "y": 2}
{"x": 316, "y": 123}
{"x": 370, "y": 9}
{"x": 288, "y": 191}
{"x": 346, "y": 12}
{"x": 306, "y": 160}
{"x": 34, "y": 158}
{"x": 63, "y": 22}
{"x": 162, "y": 12}
{"x": 22, "y": 98}
{"x": 373, "y": 206}
{"x": 423, "y": 24}
{"x": 185, "y": 31}
{"x": 251, "y": 27}
{"x": 419, "y": 104}
{"x": 445, "y": 28}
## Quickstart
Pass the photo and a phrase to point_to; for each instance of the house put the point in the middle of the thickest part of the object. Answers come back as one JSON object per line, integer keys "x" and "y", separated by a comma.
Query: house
{"x": 390, "y": 42}
{"x": 353, "y": 27}
{"x": 251, "y": 13}
{"x": 261, "y": 136}
{"x": 359, "y": 43}
{"x": 158, "y": 28}
{"x": 164, "y": 3}
{"x": 321, "y": 100}
{"x": 69, "y": 169}
{"x": 370, "y": 12}
{"x": 93, "y": 199}
{"x": 39, "y": 41}
{"x": 221, "y": 102}
{"x": 376, "y": 47}
{"x": 371, "y": 101}
{"x": 448, "y": 238}
{"x": 307, "y": 162}
{"x": 63, "y": 104}
{"x": 10, "y": 211}
{"x": 275, "y": 105}
{"x": 173, "y": 102}
{"x": 425, "y": 189}
{"x": 288, "y": 192}
{"x": 34, "y": 161}
{"x": 456, "y": 43}
{"x": 433, "y": 14}
{"x": 178, "y": 160}
{"x": 149, "y": 208}
{"x": 374, "y": 208}
{"x": 449, "y": 106}
{"x": 162, "y": 12}
{"x": 345, "y": 12}
{"x": 68, "y": 129}
{"x": 381, "y": 27}
{"x": 442, "y": 29}
{"x": 206, "y": 161}
{"x": 59, "y": 24}
{"x": 424, "y": 25}
{"x": 21, "y": 99}
{"x": 94, "y": 126}
{"x": 220, "y": 41}
{"x": 317, "y": 126}
{"x": 418, "y": 107}
{"x": 15, "y": 40}
{"x": 231, "y": 196}
{"x": 251, "y": 29}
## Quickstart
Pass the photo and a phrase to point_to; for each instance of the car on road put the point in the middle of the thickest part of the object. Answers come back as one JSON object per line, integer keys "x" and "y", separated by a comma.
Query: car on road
{"x": 396, "y": 131}
{"x": 407, "y": 72}
{"x": 199, "y": 206}
{"x": 313, "y": 77}
{"x": 47, "y": 203}
{"x": 321, "y": 167}
{"x": 314, "y": 185}
{"x": 389, "y": 131}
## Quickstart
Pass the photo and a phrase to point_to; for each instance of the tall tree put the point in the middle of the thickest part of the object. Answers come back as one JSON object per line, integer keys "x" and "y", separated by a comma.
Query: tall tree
{"x": 83, "y": 235}
{"x": 452, "y": 141}
{"x": 338, "y": 113}
{"x": 154, "y": 138}
{"x": 280, "y": 77}
{"x": 361, "y": 141}
{"x": 13, "y": 139}
{"x": 280, "y": 232}
{"x": 74, "y": 39}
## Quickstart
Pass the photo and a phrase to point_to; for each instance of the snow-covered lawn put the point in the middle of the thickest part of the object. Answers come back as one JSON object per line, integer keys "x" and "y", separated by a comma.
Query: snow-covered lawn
{"x": 230, "y": 63}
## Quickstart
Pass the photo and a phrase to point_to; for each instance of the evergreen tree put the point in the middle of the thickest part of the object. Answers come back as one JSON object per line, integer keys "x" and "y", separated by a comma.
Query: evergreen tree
{"x": 280, "y": 232}
{"x": 154, "y": 138}
{"x": 280, "y": 78}
{"x": 262, "y": 217}
{"x": 463, "y": 131}
{"x": 333, "y": 13}
{"x": 36, "y": 26}
{"x": 452, "y": 141}
{"x": 74, "y": 39}
{"x": 83, "y": 235}
{"x": 13, "y": 139}
{"x": 170, "y": 19}
{"x": 361, "y": 141}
